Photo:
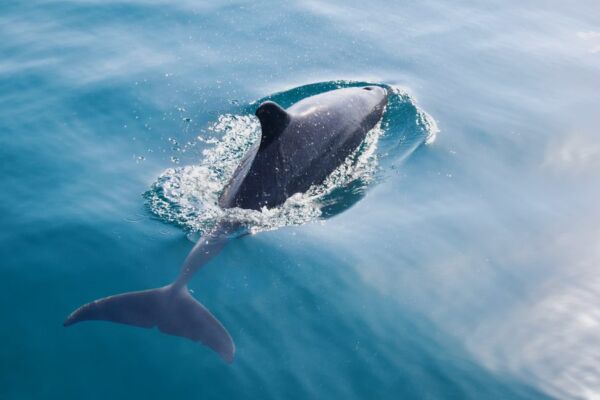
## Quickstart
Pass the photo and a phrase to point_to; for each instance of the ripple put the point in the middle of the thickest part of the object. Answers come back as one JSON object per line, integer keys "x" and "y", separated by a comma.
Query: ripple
{"x": 188, "y": 196}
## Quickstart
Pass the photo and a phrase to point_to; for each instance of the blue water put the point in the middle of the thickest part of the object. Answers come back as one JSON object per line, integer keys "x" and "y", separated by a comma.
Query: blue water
{"x": 461, "y": 268}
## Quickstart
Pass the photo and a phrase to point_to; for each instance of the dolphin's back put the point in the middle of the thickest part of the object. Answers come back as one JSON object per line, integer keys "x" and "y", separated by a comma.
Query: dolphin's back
{"x": 303, "y": 145}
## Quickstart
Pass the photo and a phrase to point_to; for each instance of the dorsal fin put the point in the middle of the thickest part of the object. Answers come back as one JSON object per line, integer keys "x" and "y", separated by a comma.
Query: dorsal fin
{"x": 273, "y": 120}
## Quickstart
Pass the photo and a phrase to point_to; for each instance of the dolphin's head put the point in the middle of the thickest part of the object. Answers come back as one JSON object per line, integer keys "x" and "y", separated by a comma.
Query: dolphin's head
{"x": 377, "y": 90}
{"x": 371, "y": 100}
{"x": 376, "y": 96}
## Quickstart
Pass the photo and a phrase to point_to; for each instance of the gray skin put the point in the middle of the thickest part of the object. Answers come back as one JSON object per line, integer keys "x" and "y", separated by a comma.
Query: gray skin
{"x": 299, "y": 147}
{"x": 303, "y": 145}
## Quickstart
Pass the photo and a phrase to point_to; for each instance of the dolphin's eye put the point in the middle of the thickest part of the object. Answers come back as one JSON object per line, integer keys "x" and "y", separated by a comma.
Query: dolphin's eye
{"x": 368, "y": 88}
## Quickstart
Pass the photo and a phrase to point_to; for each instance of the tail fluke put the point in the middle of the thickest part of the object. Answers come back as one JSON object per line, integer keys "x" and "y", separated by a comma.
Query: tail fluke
{"x": 171, "y": 308}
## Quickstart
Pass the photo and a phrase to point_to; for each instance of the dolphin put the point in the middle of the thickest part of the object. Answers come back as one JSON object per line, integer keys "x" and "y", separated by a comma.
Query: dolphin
{"x": 299, "y": 147}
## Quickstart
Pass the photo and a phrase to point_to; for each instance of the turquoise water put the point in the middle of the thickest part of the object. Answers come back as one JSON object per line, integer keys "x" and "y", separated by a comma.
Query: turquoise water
{"x": 463, "y": 267}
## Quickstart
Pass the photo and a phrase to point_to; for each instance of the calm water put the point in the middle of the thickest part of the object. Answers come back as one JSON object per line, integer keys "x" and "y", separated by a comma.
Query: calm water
{"x": 466, "y": 268}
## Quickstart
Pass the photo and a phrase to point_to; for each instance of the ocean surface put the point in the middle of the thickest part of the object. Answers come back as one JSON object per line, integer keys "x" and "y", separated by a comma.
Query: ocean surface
{"x": 456, "y": 255}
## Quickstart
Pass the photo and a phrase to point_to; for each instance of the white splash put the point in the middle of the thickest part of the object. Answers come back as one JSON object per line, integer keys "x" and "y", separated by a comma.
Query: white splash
{"x": 423, "y": 120}
{"x": 188, "y": 196}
